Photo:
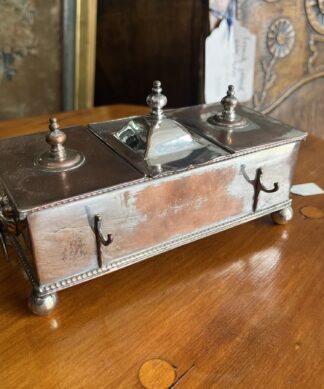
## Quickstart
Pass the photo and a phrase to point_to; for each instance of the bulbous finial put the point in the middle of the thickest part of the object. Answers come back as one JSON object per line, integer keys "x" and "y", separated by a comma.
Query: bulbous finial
{"x": 58, "y": 158}
{"x": 55, "y": 138}
{"x": 156, "y": 100}
{"x": 53, "y": 124}
{"x": 228, "y": 117}
{"x": 229, "y": 103}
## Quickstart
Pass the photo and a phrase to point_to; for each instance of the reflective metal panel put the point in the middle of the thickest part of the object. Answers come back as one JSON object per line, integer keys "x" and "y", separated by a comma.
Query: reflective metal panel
{"x": 260, "y": 130}
{"x": 157, "y": 145}
{"x": 168, "y": 153}
{"x": 29, "y": 187}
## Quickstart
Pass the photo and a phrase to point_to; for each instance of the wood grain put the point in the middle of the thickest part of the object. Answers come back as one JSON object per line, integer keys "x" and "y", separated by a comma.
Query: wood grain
{"x": 240, "y": 309}
{"x": 40, "y": 123}
{"x": 138, "y": 42}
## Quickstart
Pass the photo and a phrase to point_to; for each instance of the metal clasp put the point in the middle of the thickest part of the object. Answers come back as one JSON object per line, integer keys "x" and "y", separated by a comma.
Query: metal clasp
{"x": 258, "y": 186}
{"x": 100, "y": 239}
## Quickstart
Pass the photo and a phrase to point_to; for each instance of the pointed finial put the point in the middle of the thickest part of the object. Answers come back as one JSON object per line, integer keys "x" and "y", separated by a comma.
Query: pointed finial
{"x": 156, "y": 100}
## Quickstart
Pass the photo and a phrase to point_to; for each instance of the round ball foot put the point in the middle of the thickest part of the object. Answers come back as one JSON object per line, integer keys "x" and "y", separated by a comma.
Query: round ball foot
{"x": 42, "y": 305}
{"x": 283, "y": 216}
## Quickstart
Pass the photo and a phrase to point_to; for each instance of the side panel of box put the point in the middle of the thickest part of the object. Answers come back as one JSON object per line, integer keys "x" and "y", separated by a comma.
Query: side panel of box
{"x": 156, "y": 212}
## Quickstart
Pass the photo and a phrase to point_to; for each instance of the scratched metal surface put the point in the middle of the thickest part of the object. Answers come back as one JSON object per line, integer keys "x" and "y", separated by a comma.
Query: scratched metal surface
{"x": 261, "y": 130}
{"x": 28, "y": 187}
{"x": 156, "y": 212}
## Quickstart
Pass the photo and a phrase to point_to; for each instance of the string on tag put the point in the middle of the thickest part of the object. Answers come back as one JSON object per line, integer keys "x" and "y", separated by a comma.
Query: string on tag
{"x": 228, "y": 15}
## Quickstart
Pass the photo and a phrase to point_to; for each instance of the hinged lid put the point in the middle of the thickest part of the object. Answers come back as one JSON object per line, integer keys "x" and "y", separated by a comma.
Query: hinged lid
{"x": 235, "y": 127}
{"x": 157, "y": 144}
{"x": 36, "y": 175}
{"x": 30, "y": 187}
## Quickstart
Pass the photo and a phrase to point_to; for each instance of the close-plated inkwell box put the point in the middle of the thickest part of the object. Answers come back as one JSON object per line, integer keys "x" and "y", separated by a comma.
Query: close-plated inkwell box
{"x": 84, "y": 201}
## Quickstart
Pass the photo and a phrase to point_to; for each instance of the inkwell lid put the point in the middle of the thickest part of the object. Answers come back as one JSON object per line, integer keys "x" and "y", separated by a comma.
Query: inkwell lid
{"x": 161, "y": 144}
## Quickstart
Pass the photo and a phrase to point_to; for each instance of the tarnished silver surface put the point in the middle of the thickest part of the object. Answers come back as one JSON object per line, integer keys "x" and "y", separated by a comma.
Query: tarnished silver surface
{"x": 261, "y": 131}
{"x": 152, "y": 183}
{"x": 58, "y": 158}
{"x": 283, "y": 216}
{"x": 30, "y": 188}
{"x": 154, "y": 211}
{"x": 42, "y": 305}
{"x": 142, "y": 255}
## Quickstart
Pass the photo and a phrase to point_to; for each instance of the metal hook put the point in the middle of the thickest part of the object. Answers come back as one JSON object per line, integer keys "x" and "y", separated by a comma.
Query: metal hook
{"x": 4, "y": 245}
{"x": 100, "y": 239}
{"x": 258, "y": 186}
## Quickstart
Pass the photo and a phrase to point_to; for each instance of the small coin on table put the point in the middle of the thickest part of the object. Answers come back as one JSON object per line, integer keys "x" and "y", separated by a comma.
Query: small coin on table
{"x": 156, "y": 374}
{"x": 312, "y": 212}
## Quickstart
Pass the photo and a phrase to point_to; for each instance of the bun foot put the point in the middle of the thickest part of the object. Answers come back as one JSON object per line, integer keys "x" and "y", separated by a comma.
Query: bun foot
{"x": 283, "y": 216}
{"x": 42, "y": 305}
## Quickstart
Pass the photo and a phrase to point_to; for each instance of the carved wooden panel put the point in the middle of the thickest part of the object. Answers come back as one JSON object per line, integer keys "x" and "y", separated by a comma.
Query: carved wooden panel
{"x": 289, "y": 67}
{"x": 30, "y": 57}
{"x": 141, "y": 41}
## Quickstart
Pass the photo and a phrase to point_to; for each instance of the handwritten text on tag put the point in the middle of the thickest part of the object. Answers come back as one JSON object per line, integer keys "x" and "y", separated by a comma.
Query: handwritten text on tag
{"x": 229, "y": 59}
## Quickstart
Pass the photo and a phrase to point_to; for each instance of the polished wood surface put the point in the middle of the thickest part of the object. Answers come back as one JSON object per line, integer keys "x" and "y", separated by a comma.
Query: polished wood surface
{"x": 40, "y": 123}
{"x": 240, "y": 309}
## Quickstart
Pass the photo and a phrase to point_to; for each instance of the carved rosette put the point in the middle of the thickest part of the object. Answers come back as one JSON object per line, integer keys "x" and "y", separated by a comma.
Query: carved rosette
{"x": 281, "y": 38}
{"x": 280, "y": 42}
{"x": 315, "y": 14}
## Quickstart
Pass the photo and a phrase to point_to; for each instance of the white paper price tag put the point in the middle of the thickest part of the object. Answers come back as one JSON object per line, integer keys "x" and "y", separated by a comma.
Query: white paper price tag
{"x": 308, "y": 189}
{"x": 229, "y": 59}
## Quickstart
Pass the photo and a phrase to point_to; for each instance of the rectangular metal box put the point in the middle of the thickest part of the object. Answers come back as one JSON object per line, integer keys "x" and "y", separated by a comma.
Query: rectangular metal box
{"x": 122, "y": 191}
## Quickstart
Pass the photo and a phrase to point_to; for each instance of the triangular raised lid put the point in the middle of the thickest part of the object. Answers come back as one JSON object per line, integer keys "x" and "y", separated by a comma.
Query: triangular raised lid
{"x": 156, "y": 144}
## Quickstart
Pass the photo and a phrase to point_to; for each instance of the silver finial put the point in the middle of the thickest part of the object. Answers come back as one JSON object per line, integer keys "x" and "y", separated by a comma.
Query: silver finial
{"x": 229, "y": 103}
{"x": 55, "y": 138}
{"x": 58, "y": 158}
{"x": 156, "y": 100}
{"x": 228, "y": 117}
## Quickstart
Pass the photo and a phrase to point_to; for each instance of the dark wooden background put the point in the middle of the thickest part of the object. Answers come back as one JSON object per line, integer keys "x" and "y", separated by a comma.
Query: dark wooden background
{"x": 139, "y": 41}
{"x": 143, "y": 40}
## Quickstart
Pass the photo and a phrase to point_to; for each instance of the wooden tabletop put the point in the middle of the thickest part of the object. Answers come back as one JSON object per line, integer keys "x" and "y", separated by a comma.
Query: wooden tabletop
{"x": 241, "y": 309}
